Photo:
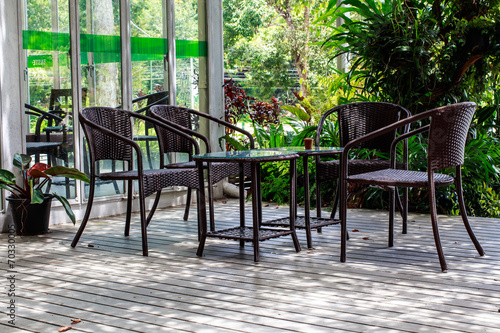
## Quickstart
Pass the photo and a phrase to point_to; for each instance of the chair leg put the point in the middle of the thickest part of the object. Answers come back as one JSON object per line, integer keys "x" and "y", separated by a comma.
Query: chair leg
{"x": 392, "y": 199}
{"x": 153, "y": 208}
{"x": 435, "y": 228}
{"x": 129, "y": 208}
{"x": 188, "y": 204}
{"x": 148, "y": 154}
{"x": 463, "y": 212}
{"x": 142, "y": 204}
{"x": 343, "y": 220}
{"x": 404, "y": 211}
{"x": 87, "y": 213}
{"x": 115, "y": 184}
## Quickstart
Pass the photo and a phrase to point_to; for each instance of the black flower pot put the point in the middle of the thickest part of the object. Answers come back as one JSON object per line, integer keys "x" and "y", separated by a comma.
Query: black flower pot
{"x": 30, "y": 219}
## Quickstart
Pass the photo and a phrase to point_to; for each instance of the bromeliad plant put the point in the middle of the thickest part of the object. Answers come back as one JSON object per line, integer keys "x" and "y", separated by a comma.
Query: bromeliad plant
{"x": 35, "y": 178}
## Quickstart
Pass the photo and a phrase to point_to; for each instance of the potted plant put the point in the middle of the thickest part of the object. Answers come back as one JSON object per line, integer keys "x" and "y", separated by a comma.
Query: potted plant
{"x": 28, "y": 205}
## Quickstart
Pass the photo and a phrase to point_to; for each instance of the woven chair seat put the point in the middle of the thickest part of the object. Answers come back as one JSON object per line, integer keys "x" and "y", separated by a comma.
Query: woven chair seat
{"x": 219, "y": 170}
{"x": 157, "y": 179}
{"x": 401, "y": 178}
{"x": 330, "y": 169}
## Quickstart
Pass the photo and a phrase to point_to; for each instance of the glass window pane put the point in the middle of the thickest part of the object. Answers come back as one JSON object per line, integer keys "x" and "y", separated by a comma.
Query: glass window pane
{"x": 48, "y": 82}
{"x": 101, "y": 70}
{"x": 149, "y": 74}
{"x": 188, "y": 50}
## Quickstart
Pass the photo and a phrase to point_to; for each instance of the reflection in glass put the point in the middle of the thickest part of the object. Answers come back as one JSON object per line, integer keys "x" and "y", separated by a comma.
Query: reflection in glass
{"x": 149, "y": 70}
{"x": 101, "y": 70}
{"x": 188, "y": 51}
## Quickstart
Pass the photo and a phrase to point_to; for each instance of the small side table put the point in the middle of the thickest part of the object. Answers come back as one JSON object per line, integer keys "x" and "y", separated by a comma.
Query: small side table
{"x": 256, "y": 233}
{"x": 306, "y": 222}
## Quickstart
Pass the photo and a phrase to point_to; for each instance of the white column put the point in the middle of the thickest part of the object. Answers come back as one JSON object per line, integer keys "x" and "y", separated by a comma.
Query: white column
{"x": 215, "y": 65}
{"x": 11, "y": 79}
{"x": 171, "y": 60}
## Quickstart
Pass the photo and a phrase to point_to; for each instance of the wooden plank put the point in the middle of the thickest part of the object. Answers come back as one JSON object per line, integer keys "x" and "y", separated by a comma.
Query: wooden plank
{"x": 378, "y": 289}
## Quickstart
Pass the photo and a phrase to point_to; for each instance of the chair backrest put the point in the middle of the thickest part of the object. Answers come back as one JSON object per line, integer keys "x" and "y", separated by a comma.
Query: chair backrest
{"x": 358, "y": 119}
{"x": 156, "y": 98}
{"x": 60, "y": 99}
{"x": 170, "y": 142}
{"x": 448, "y": 134}
{"x": 104, "y": 146}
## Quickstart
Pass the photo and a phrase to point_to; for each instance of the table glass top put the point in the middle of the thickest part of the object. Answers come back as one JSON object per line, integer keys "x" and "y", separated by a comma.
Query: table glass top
{"x": 269, "y": 152}
{"x": 241, "y": 154}
{"x": 302, "y": 149}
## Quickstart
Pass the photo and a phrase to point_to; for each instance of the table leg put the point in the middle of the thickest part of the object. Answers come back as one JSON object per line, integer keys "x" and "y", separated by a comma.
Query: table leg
{"x": 259, "y": 188}
{"x": 293, "y": 201}
{"x": 255, "y": 210}
{"x": 318, "y": 190}
{"x": 307, "y": 201}
{"x": 242, "y": 200}
{"x": 202, "y": 210}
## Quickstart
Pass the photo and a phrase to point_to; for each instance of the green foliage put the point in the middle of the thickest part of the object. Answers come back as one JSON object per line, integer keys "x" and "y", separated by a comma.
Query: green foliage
{"x": 418, "y": 54}
{"x": 34, "y": 178}
{"x": 270, "y": 43}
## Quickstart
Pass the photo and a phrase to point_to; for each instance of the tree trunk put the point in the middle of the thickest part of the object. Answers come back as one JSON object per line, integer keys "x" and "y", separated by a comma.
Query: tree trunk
{"x": 299, "y": 34}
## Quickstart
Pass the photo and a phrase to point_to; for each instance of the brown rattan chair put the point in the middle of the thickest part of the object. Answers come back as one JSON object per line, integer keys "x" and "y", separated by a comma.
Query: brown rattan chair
{"x": 110, "y": 137}
{"x": 37, "y": 145}
{"x": 448, "y": 130}
{"x": 55, "y": 144}
{"x": 182, "y": 119}
{"x": 356, "y": 120}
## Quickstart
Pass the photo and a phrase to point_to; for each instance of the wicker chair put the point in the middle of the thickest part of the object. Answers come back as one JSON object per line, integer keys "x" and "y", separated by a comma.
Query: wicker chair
{"x": 35, "y": 145}
{"x": 354, "y": 121}
{"x": 182, "y": 119}
{"x": 56, "y": 143}
{"x": 109, "y": 136}
{"x": 448, "y": 130}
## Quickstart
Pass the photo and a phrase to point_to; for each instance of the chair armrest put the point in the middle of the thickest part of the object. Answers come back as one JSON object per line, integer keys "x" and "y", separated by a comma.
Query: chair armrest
{"x": 226, "y": 124}
{"x": 42, "y": 113}
{"x": 404, "y": 137}
{"x": 322, "y": 122}
{"x": 149, "y": 105}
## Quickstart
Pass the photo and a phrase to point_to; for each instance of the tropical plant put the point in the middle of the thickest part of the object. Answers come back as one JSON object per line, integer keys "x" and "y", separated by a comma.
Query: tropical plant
{"x": 271, "y": 42}
{"x": 34, "y": 178}
{"x": 418, "y": 53}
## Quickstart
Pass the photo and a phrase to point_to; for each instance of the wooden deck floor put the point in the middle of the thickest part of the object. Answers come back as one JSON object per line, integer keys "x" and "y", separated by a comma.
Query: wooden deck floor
{"x": 111, "y": 287}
